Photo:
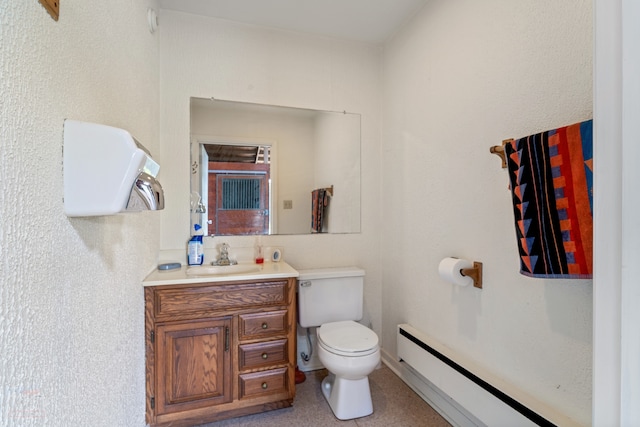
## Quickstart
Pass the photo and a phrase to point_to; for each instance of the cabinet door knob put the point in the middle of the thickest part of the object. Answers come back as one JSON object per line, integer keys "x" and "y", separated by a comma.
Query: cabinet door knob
{"x": 264, "y": 325}
{"x": 265, "y": 355}
{"x": 264, "y": 386}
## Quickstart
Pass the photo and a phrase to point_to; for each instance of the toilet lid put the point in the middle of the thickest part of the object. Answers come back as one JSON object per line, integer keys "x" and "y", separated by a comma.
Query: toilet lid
{"x": 347, "y": 337}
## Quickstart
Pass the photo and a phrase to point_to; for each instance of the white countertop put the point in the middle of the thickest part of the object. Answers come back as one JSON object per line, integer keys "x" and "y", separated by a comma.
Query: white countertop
{"x": 268, "y": 270}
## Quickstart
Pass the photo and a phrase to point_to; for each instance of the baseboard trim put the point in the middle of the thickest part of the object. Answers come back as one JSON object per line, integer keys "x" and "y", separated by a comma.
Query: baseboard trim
{"x": 440, "y": 402}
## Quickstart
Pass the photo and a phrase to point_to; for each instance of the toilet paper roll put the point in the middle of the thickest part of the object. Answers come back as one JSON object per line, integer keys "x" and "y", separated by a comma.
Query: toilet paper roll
{"x": 449, "y": 270}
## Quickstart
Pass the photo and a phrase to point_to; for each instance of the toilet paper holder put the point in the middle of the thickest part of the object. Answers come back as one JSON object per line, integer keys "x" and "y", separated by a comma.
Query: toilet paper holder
{"x": 474, "y": 273}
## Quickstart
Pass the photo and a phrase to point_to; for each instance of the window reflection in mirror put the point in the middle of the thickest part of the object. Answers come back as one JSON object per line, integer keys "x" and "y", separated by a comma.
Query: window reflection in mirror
{"x": 254, "y": 169}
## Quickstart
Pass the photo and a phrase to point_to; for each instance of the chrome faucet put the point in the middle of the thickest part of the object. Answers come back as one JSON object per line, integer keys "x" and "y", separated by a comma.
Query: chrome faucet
{"x": 224, "y": 256}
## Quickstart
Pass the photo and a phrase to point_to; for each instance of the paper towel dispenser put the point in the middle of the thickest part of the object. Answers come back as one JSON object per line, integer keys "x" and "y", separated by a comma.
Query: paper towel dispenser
{"x": 107, "y": 171}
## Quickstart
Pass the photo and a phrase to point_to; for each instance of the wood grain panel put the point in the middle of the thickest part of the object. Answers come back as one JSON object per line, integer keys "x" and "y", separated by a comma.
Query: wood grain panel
{"x": 150, "y": 351}
{"x": 261, "y": 325}
{"x": 53, "y": 7}
{"x": 196, "y": 365}
{"x": 219, "y": 297}
{"x": 262, "y": 354}
{"x": 263, "y": 383}
{"x": 193, "y": 377}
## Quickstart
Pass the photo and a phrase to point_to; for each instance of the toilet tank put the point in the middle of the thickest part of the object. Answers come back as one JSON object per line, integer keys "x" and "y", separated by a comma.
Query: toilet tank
{"x": 329, "y": 295}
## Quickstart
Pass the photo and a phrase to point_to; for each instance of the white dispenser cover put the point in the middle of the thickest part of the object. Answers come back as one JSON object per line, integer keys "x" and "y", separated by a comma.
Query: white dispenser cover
{"x": 101, "y": 166}
{"x": 348, "y": 337}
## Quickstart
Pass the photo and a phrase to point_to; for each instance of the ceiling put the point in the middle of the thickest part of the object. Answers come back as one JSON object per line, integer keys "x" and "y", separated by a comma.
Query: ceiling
{"x": 372, "y": 21}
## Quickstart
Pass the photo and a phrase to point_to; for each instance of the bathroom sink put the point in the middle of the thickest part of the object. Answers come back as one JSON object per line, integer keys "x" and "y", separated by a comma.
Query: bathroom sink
{"x": 221, "y": 270}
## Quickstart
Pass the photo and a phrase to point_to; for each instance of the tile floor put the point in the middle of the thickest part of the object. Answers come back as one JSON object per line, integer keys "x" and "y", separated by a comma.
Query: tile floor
{"x": 394, "y": 404}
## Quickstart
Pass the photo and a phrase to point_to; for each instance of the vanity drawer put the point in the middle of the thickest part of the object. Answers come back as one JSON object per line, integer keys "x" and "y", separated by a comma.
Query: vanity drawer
{"x": 258, "y": 355}
{"x": 265, "y": 324}
{"x": 261, "y": 383}
{"x": 219, "y": 297}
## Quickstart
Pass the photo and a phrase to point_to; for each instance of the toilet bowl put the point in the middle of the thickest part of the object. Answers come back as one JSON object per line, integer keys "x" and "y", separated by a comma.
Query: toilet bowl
{"x": 331, "y": 300}
{"x": 350, "y": 352}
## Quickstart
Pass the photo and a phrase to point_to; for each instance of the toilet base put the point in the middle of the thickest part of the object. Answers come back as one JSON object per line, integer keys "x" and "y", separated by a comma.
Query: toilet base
{"x": 348, "y": 399}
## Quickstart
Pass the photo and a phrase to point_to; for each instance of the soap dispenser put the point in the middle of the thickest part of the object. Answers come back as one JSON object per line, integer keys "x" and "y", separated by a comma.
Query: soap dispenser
{"x": 258, "y": 251}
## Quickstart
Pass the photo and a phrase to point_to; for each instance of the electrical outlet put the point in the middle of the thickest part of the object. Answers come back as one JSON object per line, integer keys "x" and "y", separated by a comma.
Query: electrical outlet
{"x": 287, "y": 204}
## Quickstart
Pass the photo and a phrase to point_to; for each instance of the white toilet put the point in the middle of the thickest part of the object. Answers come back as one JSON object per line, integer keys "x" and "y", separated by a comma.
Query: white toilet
{"x": 332, "y": 299}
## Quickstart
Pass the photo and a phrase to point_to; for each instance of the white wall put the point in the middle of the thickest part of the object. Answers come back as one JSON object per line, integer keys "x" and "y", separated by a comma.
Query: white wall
{"x": 205, "y": 57}
{"x": 461, "y": 77}
{"x": 337, "y": 164}
{"x": 71, "y": 301}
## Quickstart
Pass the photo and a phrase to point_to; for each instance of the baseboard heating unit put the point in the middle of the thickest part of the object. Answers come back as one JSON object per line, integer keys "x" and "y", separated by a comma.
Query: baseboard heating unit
{"x": 491, "y": 401}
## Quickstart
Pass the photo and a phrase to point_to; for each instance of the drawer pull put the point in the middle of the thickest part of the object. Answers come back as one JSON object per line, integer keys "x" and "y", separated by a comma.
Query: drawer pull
{"x": 264, "y": 386}
{"x": 264, "y": 325}
{"x": 265, "y": 355}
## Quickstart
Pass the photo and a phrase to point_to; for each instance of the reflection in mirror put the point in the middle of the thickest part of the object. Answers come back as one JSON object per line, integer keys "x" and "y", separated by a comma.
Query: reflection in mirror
{"x": 261, "y": 169}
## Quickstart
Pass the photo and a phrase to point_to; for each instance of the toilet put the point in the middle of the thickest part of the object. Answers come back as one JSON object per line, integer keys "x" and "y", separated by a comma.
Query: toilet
{"x": 331, "y": 299}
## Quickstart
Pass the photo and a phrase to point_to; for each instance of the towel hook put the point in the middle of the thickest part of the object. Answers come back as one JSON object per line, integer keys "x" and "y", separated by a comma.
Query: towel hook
{"x": 499, "y": 151}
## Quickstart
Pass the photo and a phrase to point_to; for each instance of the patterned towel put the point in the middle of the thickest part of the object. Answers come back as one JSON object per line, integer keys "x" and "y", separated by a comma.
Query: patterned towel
{"x": 319, "y": 204}
{"x": 551, "y": 177}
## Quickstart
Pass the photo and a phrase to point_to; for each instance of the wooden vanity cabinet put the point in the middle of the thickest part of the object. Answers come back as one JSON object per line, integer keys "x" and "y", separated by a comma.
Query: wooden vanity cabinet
{"x": 219, "y": 350}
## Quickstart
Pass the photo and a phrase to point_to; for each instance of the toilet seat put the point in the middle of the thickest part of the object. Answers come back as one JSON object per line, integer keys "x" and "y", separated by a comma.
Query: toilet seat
{"x": 347, "y": 338}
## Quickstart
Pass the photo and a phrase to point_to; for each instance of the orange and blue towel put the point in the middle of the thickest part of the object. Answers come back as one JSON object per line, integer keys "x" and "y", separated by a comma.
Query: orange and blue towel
{"x": 319, "y": 204}
{"x": 551, "y": 177}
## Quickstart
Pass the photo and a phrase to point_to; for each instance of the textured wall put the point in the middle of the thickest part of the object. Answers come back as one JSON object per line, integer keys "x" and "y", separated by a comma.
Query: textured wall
{"x": 458, "y": 79}
{"x": 71, "y": 305}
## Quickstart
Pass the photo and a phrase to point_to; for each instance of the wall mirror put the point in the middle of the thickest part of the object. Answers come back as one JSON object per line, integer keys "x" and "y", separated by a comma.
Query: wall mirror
{"x": 263, "y": 169}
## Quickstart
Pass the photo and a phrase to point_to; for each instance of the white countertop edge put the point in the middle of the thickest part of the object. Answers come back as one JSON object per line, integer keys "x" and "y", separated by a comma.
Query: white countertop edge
{"x": 178, "y": 276}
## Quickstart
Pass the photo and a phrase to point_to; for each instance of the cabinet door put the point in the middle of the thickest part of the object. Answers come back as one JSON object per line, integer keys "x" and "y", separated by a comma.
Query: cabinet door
{"x": 193, "y": 365}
